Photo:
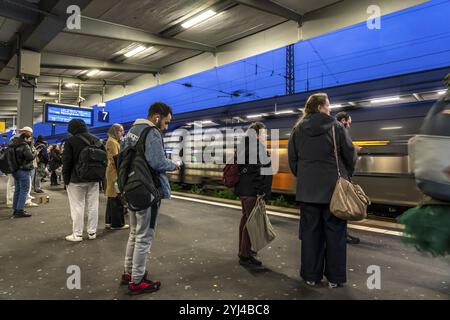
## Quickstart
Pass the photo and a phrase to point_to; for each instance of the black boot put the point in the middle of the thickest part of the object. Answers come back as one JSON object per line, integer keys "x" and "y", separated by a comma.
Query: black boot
{"x": 21, "y": 214}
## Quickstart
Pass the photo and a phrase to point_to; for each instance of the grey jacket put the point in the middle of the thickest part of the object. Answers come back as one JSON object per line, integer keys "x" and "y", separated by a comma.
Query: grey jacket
{"x": 312, "y": 160}
{"x": 154, "y": 152}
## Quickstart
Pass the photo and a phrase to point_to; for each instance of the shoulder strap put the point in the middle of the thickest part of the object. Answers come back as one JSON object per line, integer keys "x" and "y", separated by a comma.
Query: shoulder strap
{"x": 140, "y": 145}
{"x": 335, "y": 151}
{"x": 84, "y": 140}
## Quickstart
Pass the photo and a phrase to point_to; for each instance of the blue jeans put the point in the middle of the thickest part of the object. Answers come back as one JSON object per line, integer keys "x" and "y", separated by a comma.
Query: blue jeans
{"x": 21, "y": 188}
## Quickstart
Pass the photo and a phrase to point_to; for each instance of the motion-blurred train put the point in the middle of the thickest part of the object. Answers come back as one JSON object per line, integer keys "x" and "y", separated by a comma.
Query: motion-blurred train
{"x": 386, "y": 113}
{"x": 382, "y": 168}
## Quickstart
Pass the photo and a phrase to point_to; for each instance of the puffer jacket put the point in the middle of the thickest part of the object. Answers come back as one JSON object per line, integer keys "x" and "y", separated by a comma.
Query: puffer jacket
{"x": 24, "y": 154}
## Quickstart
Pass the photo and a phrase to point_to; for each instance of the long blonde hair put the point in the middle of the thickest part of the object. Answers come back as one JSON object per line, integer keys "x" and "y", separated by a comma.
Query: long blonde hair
{"x": 113, "y": 131}
{"x": 312, "y": 105}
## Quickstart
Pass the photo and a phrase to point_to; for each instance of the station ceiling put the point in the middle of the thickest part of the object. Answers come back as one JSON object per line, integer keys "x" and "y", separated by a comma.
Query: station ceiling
{"x": 114, "y": 27}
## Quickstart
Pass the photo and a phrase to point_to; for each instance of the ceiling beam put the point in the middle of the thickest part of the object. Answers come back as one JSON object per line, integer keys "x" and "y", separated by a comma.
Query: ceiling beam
{"x": 108, "y": 30}
{"x": 59, "y": 61}
{"x": 19, "y": 10}
{"x": 272, "y": 8}
{"x": 36, "y": 37}
{"x": 39, "y": 36}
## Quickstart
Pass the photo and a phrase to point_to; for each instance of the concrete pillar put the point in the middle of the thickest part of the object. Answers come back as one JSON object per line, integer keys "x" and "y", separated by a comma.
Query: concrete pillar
{"x": 25, "y": 104}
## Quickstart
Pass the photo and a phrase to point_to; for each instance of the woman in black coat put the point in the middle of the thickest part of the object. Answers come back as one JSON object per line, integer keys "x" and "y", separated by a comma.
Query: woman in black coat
{"x": 312, "y": 161}
{"x": 255, "y": 178}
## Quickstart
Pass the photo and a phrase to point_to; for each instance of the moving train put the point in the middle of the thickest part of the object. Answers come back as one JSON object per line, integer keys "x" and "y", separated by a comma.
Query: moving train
{"x": 382, "y": 168}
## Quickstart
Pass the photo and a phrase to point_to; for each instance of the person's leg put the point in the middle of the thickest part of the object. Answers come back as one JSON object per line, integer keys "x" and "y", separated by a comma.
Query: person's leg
{"x": 129, "y": 253}
{"x": 32, "y": 176}
{"x": 10, "y": 190}
{"x": 76, "y": 193}
{"x": 37, "y": 180}
{"x": 108, "y": 213}
{"x": 23, "y": 184}
{"x": 117, "y": 218}
{"x": 16, "y": 190}
{"x": 92, "y": 206}
{"x": 336, "y": 248}
{"x": 29, "y": 198}
{"x": 248, "y": 203}
{"x": 53, "y": 178}
{"x": 313, "y": 243}
{"x": 145, "y": 232}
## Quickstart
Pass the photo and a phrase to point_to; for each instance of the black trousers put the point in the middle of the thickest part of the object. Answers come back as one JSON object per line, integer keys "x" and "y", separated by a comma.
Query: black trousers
{"x": 324, "y": 246}
{"x": 114, "y": 213}
{"x": 53, "y": 178}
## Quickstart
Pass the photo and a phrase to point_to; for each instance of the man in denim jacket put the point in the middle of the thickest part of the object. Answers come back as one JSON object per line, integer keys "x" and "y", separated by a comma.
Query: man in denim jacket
{"x": 143, "y": 223}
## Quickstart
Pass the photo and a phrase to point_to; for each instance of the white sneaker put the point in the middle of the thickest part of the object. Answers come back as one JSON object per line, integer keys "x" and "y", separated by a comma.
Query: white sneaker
{"x": 125, "y": 226}
{"x": 74, "y": 238}
{"x": 32, "y": 198}
{"x": 333, "y": 285}
{"x": 92, "y": 236}
{"x": 31, "y": 204}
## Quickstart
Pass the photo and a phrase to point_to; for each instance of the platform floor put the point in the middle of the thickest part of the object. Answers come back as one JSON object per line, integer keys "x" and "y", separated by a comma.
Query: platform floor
{"x": 195, "y": 257}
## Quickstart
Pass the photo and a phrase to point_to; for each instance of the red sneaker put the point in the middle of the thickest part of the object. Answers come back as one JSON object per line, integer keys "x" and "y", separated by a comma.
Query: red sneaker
{"x": 145, "y": 286}
{"x": 126, "y": 278}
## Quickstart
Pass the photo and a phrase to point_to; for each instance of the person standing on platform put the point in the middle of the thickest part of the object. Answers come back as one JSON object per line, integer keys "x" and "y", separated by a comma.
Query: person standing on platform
{"x": 24, "y": 156}
{"x": 143, "y": 223}
{"x": 83, "y": 194}
{"x": 55, "y": 163}
{"x": 312, "y": 161}
{"x": 10, "y": 183}
{"x": 252, "y": 183}
{"x": 114, "y": 217}
{"x": 42, "y": 162}
{"x": 345, "y": 119}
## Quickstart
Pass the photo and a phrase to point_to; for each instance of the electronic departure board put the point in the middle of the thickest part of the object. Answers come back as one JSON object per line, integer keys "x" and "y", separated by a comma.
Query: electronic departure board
{"x": 62, "y": 114}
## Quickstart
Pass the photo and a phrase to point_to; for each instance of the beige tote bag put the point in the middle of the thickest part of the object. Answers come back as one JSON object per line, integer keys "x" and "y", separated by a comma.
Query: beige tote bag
{"x": 349, "y": 202}
{"x": 258, "y": 226}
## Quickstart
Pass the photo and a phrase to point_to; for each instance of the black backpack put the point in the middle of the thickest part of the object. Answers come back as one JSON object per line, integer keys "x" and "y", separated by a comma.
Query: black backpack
{"x": 8, "y": 160}
{"x": 138, "y": 183}
{"x": 92, "y": 162}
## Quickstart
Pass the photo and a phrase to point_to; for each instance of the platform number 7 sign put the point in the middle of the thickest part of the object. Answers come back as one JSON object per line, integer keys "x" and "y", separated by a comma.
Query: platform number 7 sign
{"x": 103, "y": 116}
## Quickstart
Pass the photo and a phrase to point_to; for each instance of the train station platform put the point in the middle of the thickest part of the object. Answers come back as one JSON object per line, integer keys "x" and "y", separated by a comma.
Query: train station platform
{"x": 194, "y": 255}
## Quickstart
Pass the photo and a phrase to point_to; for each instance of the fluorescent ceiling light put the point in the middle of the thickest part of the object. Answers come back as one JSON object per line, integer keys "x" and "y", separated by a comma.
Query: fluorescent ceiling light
{"x": 335, "y": 106}
{"x": 284, "y": 112}
{"x": 70, "y": 85}
{"x": 135, "y": 51}
{"x": 206, "y": 122}
{"x": 442, "y": 92}
{"x": 385, "y": 100}
{"x": 201, "y": 17}
{"x": 254, "y": 116}
{"x": 391, "y": 128}
{"x": 39, "y": 100}
{"x": 93, "y": 72}
{"x": 52, "y": 93}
